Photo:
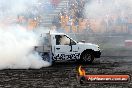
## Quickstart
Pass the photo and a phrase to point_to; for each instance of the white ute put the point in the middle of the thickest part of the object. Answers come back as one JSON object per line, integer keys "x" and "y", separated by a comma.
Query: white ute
{"x": 60, "y": 47}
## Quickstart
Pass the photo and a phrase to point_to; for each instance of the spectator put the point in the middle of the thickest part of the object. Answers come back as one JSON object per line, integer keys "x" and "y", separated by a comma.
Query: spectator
{"x": 71, "y": 16}
{"x": 56, "y": 22}
{"x": 55, "y": 3}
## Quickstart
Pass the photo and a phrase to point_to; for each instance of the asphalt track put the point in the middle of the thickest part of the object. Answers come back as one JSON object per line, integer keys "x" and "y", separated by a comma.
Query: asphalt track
{"x": 63, "y": 75}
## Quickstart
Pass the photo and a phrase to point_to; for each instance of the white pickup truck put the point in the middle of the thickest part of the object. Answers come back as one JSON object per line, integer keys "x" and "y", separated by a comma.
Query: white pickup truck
{"x": 60, "y": 47}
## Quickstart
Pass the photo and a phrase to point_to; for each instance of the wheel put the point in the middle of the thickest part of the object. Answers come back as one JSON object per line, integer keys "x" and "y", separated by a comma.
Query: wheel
{"x": 45, "y": 56}
{"x": 87, "y": 57}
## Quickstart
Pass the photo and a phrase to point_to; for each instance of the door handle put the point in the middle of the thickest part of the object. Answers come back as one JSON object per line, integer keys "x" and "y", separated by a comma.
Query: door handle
{"x": 57, "y": 48}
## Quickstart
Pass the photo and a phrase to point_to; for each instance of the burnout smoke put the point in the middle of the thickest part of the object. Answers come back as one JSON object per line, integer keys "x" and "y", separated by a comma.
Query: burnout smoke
{"x": 104, "y": 8}
{"x": 112, "y": 20}
{"x": 16, "y": 42}
{"x": 16, "y": 49}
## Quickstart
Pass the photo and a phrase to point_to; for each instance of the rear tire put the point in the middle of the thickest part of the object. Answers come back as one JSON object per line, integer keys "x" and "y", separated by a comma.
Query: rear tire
{"x": 46, "y": 57}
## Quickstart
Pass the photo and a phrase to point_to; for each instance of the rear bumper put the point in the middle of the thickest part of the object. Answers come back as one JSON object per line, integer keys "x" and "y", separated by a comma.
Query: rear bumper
{"x": 97, "y": 54}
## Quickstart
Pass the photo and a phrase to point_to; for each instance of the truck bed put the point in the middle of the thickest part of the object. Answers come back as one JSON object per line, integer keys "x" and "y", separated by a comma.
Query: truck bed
{"x": 44, "y": 48}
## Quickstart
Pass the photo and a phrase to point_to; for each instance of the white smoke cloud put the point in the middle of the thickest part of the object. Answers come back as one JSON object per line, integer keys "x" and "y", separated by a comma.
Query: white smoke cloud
{"x": 15, "y": 7}
{"x": 16, "y": 49}
{"x": 94, "y": 9}
{"x": 17, "y": 43}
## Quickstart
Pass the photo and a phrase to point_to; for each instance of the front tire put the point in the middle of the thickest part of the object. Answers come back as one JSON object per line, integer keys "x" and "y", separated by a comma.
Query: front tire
{"x": 87, "y": 57}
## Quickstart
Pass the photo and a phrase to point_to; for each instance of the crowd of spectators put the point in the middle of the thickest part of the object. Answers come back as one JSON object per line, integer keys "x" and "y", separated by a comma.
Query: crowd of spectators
{"x": 69, "y": 18}
{"x": 34, "y": 15}
{"x": 55, "y": 3}
{"x": 72, "y": 19}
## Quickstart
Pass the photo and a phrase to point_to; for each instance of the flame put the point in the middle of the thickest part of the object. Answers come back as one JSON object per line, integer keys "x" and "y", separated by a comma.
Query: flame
{"x": 81, "y": 71}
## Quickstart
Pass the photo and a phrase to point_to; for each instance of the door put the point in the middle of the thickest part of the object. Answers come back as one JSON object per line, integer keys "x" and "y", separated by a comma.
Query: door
{"x": 62, "y": 49}
{"x": 75, "y": 52}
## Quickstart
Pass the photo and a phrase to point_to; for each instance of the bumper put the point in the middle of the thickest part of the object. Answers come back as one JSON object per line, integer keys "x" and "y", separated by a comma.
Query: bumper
{"x": 97, "y": 54}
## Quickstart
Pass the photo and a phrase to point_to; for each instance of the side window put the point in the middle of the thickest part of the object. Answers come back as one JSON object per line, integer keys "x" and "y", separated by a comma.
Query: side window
{"x": 62, "y": 40}
{"x": 58, "y": 38}
{"x": 72, "y": 42}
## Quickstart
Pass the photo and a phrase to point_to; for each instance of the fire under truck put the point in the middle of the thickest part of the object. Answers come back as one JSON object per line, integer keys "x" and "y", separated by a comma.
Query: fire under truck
{"x": 60, "y": 47}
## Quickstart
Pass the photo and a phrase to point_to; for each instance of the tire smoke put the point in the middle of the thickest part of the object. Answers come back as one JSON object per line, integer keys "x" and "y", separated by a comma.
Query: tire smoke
{"x": 104, "y": 8}
{"x": 16, "y": 49}
{"x": 16, "y": 42}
